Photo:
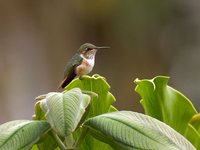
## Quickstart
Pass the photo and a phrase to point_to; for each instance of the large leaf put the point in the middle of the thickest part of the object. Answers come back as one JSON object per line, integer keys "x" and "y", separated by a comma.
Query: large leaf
{"x": 97, "y": 84}
{"x": 168, "y": 105}
{"x": 99, "y": 105}
{"x": 65, "y": 110}
{"x": 21, "y": 134}
{"x": 47, "y": 142}
{"x": 131, "y": 130}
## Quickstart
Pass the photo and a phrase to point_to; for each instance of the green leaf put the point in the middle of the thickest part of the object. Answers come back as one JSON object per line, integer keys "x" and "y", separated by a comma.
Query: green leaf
{"x": 168, "y": 105}
{"x": 39, "y": 114}
{"x": 47, "y": 142}
{"x": 195, "y": 121}
{"x": 99, "y": 104}
{"x": 21, "y": 134}
{"x": 34, "y": 147}
{"x": 65, "y": 110}
{"x": 131, "y": 130}
{"x": 97, "y": 84}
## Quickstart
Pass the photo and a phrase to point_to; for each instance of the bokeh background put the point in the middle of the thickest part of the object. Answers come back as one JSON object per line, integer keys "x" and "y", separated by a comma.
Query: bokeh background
{"x": 148, "y": 38}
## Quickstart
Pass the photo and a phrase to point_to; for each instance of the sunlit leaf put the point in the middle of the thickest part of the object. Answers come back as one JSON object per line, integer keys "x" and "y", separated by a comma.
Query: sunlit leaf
{"x": 131, "y": 130}
{"x": 168, "y": 105}
{"x": 65, "y": 110}
{"x": 21, "y": 134}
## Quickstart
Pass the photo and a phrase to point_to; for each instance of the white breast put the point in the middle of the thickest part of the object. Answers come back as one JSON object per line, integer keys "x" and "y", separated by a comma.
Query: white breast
{"x": 90, "y": 62}
{"x": 86, "y": 66}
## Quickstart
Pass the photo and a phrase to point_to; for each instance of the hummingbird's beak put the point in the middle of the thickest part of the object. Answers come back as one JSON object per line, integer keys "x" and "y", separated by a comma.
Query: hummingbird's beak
{"x": 102, "y": 47}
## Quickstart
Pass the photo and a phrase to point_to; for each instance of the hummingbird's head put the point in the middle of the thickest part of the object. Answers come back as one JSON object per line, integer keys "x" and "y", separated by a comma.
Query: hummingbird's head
{"x": 89, "y": 50}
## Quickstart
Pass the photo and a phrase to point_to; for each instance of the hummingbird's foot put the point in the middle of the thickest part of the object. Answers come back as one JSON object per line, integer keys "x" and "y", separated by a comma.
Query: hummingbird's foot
{"x": 81, "y": 77}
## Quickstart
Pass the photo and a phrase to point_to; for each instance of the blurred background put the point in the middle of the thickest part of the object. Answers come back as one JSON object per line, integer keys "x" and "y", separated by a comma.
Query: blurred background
{"x": 147, "y": 38}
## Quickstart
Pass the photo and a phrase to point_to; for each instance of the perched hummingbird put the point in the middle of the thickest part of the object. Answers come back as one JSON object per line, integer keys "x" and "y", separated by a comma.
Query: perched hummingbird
{"x": 81, "y": 63}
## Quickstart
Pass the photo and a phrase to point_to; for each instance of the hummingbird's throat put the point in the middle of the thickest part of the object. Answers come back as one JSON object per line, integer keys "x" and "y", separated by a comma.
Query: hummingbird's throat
{"x": 89, "y": 54}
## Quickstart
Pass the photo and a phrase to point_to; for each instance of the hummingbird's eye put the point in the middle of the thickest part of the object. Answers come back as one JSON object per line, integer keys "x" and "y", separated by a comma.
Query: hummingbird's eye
{"x": 88, "y": 49}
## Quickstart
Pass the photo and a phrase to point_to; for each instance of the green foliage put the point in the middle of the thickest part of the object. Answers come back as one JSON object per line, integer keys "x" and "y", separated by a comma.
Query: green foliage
{"x": 100, "y": 104}
{"x": 82, "y": 117}
{"x": 170, "y": 106}
{"x": 21, "y": 134}
{"x": 65, "y": 110}
{"x": 131, "y": 130}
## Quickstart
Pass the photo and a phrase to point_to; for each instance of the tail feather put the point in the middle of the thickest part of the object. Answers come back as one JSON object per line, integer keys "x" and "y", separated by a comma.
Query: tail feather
{"x": 62, "y": 84}
{"x": 66, "y": 81}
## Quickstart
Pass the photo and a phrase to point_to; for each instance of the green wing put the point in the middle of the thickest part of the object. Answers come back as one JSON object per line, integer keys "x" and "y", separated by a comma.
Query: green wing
{"x": 75, "y": 61}
{"x": 69, "y": 72}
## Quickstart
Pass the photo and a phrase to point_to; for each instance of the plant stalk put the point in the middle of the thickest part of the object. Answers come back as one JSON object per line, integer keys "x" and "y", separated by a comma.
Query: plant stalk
{"x": 59, "y": 141}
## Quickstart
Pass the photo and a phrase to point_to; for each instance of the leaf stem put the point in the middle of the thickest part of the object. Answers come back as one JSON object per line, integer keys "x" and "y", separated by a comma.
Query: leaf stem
{"x": 81, "y": 138}
{"x": 69, "y": 141}
{"x": 60, "y": 143}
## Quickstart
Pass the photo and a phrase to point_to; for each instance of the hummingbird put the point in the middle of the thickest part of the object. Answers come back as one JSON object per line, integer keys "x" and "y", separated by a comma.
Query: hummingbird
{"x": 81, "y": 63}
